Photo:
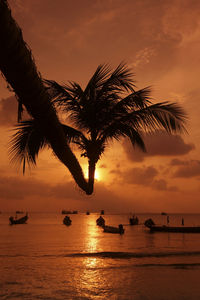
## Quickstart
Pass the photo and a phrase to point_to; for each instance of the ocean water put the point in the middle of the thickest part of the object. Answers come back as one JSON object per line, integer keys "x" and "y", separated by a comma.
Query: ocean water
{"x": 45, "y": 259}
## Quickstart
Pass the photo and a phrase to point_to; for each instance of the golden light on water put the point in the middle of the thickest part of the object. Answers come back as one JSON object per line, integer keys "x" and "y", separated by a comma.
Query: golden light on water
{"x": 91, "y": 276}
{"x": 91, "y": 240}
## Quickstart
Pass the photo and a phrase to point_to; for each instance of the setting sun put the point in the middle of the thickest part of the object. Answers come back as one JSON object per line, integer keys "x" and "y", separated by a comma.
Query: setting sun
{"x": 97, "y": 175}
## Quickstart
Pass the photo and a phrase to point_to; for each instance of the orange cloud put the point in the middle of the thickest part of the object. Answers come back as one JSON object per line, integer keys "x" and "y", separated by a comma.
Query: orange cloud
{"x": 147, "y": 177}
{"x": 186, "y": 169}
{"x": 159, "y": 144}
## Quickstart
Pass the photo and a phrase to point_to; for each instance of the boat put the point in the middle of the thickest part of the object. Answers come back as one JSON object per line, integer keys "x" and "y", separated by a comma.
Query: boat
{"x": 100, "y": 221}
{"x": 21, "y": 220}
{"x": 69, "y": 212}
{"x": 87, "y": 213}
{"x": 133, "y": 221}
{"x": 102, "y": 212}
{"x": 19, "y": 212}
{"x": 166, "y": 228}
{"x": 111, "y": 229}
{"x": 163, "y": 213}
{"x": 67, "y": 221}
{"x": 65, "y": 212}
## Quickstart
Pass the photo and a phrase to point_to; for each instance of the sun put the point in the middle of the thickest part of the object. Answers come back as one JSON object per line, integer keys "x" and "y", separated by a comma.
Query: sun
{"x": 97, "y": 175}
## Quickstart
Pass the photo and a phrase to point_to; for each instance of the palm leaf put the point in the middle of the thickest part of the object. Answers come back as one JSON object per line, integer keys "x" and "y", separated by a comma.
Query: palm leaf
{"x": 98, "y": 79}
{"x": 26, "y": 143}
{"x": 73, "y": 135}
{"x": 120, "y": 80}
{"x": 136, "y": 100}
{"x": 117, "y": 130}
{"x": 168, "y": 116}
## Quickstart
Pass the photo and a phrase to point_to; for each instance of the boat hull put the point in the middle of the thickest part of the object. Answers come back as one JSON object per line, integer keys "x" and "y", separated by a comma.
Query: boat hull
{"x": 18, "y": 221}
{"x": 179, "y": 229}
{"x": 100, "y": 222}
{"x": 133, "y": 221}
{"x": 67, "y": 221}
{"x": 110, "y": 229}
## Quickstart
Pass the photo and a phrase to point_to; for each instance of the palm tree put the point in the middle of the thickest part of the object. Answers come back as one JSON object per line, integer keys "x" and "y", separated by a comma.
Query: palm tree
{"x": 108, "y": 108}
{"x": 18, "y": 67}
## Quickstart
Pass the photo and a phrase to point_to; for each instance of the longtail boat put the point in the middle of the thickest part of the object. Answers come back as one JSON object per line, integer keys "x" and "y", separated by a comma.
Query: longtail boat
{"x": 111, "y": 229}
{"x": 134, "y": 221}
{"x": 100, "y": 221}
{"x": 22, "y": 220}
{"x": 166, "y": 228}
{"x": 67, "y": 221}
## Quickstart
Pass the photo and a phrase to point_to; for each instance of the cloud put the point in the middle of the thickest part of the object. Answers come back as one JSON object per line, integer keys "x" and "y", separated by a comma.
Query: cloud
{"x": 161, "y": 185}
{"x": 147, "y": 177}
{"x": 186, "y": 169}
{"x": 177, "y": 162}
{"x": 141, "y": 176}
{"x": 186, "y": 28}
{"x": 17, "y": 188}
{"x": 158, "y": 144}
{"x": 143, "y": 57}
{"x": 35, "y": 194}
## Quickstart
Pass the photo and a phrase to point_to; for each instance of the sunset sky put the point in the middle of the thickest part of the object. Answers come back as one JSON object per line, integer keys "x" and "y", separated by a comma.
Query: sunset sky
{"x": 160, "y": 41}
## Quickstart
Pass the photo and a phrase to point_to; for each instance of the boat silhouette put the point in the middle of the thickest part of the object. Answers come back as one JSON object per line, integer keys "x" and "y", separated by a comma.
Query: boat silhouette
{"x": 15, "y": 221}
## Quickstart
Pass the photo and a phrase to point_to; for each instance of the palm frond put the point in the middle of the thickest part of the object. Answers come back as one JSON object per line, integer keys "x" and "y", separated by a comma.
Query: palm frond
{"x": 168, "y": 116}
{"x": 98, "y": 79}
{"x": 66, "y": 97}
{"x": 56, "y": 90}
{"x": 26, "y": 143}
{"x": 117, "y": 130}
{"x": 74, "y": 89}
{"x": 120, "y": 80}
{"x": 73, "y": 135}
{"x": 136, "y": 100}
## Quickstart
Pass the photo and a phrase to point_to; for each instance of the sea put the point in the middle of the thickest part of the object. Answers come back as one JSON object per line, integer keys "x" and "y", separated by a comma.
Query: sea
{"x": 45, "y": 259}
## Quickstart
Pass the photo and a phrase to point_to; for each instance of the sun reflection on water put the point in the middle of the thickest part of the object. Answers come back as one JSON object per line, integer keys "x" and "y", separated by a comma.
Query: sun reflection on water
{"x": 91, "y": 236}
{"x": 91, "y": 279}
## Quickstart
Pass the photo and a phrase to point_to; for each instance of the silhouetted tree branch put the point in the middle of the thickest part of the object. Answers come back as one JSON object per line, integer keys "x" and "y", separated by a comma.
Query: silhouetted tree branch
{"x": 19, "y": 69}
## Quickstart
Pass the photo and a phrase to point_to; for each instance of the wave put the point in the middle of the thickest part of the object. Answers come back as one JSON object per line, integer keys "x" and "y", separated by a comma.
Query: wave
{"x": 112, "y": 255}
{"x": 175, "y": 265}
{"x": 129, "y": 255}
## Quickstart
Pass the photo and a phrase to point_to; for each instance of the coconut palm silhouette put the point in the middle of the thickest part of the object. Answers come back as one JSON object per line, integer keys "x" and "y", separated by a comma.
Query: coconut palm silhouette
{"x": 108, "y": 108}
{"x": 18, "y": 67}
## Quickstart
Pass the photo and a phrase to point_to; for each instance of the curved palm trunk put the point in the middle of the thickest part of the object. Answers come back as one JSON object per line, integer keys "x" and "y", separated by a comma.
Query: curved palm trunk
{"x": 19, "y": 69}
{"x": 91, "y": 175}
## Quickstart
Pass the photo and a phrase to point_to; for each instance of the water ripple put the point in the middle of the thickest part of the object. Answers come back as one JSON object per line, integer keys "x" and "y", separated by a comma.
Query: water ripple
{"x": 109, "y": 254}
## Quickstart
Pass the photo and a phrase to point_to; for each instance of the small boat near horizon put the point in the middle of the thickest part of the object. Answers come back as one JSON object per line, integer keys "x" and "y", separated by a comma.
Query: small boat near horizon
{"x": 166, "y": 228}
{"x": 69, "y": 212}
{"x": 87, "y": 213}
{"x": 19, "y": 212}
{"x": 15, "y": 221}
{"x": 163, "y": 213}
{"x": 102, "y": 212}
{"x": 134, "y": 221}
{"x": 67, "y": 221}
